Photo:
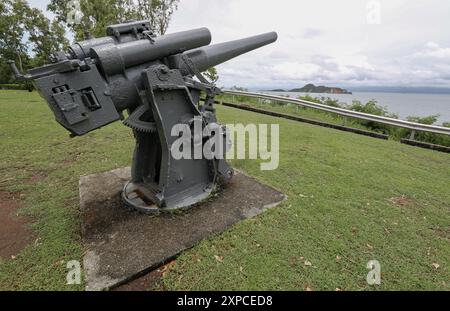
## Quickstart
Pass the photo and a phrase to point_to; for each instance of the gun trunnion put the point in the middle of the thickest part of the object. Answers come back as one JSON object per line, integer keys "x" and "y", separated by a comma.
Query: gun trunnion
{"x": 152, "y": 79}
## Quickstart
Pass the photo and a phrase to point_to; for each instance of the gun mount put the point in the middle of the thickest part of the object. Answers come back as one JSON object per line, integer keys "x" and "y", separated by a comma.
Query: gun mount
{"x": 152, "y": 79}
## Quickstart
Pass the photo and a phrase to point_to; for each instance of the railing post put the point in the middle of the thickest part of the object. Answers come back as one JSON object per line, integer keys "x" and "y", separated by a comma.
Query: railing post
{"x": 413, "y": 135}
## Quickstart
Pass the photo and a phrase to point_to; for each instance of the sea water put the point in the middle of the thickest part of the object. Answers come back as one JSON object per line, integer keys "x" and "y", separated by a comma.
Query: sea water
{"x": 402, "y": 104}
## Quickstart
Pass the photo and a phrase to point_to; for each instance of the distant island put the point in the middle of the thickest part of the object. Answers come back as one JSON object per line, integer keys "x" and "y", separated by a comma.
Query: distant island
{"x": 311, "y": 88}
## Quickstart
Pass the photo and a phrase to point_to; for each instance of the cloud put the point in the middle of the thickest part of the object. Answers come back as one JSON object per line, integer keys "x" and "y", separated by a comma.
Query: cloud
{"x": 311, "y": 33}
{"x": 433, "y": 51}
{"x": 428, "y": 66}
{"x": 278, "y": 55}
{"x": 327, "y": 41}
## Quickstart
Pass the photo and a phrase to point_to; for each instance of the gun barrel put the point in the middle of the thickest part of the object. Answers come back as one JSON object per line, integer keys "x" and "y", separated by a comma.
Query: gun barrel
{"x": 114, "y": 59}
{"x": 210, "y": 56}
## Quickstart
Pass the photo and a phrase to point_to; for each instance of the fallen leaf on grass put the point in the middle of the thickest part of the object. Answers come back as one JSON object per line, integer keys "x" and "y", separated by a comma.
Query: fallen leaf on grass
{"x": 166, "y": 268}
{"x": 308, "y": 288}
{"x": 307, "y": 263}
{"x": 370, "y": 247}
{"x": 218, "y": 258}
{"x": 338, "y": 289}
{"x": 338, "y": 258}
{"x": 436, "y": 265}
{"x": 58, "y": 263}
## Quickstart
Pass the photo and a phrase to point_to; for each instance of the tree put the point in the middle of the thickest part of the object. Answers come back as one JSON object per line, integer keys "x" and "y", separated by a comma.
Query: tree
{"x": 96, "y": 15}
{"x": 26, "y": 36}
{"x": 211, "y": 75}
{"x": 158, "y": 12}
{"x": 12, "y": 30}
{"x": 45, "y": 37}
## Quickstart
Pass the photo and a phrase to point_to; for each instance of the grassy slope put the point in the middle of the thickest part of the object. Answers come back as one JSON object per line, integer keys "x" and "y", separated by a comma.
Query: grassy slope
{"x": 339, "y": 186}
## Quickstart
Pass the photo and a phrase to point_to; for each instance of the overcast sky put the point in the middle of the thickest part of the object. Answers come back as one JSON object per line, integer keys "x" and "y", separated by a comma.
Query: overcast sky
{"x": 343, "y": 43}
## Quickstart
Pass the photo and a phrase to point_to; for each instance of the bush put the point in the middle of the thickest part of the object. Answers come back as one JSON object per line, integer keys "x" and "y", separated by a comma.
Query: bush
{"x": 311, "y": 99}
{"x": 240, "y": 89}
{"x": 372, "y": 107}
{"x": 23, "y": 86}
{"x": 332, "y": 102}
{"x": 431, "y": 138}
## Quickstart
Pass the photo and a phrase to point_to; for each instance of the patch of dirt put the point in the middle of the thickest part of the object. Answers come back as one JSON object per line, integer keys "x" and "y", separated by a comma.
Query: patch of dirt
{"x": 15, "y": 232}
{"x": 442, "y": 232}
{"x": 148, "y": 282}
{"x": 72, "y": 158}
{"x": 145, "y": 283}
{"x": 400, "y": 201}
{"x": 36, "y": 178}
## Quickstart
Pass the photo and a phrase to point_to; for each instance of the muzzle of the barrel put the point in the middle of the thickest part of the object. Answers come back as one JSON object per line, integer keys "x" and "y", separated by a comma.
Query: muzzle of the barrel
{"x": 213, "y": 55}
{"x": 113, "y": 59}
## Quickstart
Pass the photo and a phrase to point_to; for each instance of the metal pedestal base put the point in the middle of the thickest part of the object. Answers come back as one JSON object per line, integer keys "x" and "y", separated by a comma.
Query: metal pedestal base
{"x": 141, "y": 197}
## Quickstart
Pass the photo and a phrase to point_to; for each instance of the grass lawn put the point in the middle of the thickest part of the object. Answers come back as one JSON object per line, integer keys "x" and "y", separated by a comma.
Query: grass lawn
{"x": 339, "y": 214}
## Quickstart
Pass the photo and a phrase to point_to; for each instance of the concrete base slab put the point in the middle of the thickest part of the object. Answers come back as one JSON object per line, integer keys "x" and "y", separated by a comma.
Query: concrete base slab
{"x": 123, "y": 244}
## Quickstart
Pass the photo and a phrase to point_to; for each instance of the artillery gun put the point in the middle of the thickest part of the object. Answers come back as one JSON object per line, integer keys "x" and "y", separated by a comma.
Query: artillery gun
{"x": 157, "y": 81}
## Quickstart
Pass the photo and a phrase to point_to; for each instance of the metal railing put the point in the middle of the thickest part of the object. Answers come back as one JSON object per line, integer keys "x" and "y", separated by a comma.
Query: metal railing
{"x": 347, "y": 113}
